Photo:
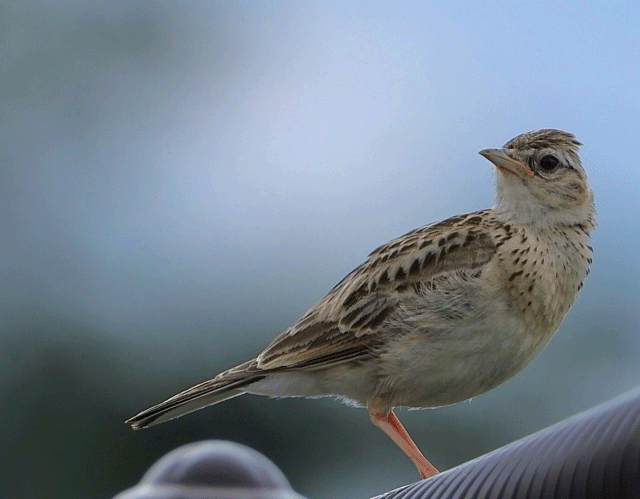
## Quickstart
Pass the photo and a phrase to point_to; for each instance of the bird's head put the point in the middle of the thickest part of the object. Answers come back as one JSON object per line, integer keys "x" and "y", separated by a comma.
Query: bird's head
{"x": 540, "y": 180}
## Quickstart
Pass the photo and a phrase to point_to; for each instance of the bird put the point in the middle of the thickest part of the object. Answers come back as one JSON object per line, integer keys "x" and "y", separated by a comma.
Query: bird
{"x": 441, "y": 314}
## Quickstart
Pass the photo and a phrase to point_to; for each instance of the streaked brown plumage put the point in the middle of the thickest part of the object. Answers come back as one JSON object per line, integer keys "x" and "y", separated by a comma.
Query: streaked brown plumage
{"x": 441, "y": 314}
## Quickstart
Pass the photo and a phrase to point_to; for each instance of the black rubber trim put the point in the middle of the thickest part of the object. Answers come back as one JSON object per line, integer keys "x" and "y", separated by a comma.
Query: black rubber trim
{"x": 595, "y": 454}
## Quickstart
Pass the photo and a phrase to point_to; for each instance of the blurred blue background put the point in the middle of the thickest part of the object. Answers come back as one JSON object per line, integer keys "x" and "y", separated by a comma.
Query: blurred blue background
{"x": 181, "y": 181}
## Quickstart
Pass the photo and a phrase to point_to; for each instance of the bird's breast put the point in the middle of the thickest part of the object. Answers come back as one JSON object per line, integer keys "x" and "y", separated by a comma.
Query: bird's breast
{"x": 539, "y": 273}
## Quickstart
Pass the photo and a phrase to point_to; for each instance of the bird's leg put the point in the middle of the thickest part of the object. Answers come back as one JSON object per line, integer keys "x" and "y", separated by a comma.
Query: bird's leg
{"x": 392, "y": 426}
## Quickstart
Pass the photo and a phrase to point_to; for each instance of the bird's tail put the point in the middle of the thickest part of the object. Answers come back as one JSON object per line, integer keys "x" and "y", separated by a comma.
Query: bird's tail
{"x": 224, "y": 386}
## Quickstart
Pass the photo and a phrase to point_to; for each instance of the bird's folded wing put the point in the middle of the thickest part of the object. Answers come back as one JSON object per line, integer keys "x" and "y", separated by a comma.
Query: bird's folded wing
{"x": 339, "y": 327}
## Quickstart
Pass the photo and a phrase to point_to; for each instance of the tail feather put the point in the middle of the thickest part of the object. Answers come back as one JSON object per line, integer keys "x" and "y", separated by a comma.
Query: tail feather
{"x": 225, "y": 386}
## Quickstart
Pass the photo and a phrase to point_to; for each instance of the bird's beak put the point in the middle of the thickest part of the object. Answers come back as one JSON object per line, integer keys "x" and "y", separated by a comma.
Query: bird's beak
{"x": 500, "y": 158}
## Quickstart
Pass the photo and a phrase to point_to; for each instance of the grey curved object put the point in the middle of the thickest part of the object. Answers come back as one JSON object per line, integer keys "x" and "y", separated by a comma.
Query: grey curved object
{"x": 594, "y": 455}
{"x": 212, "y": 469}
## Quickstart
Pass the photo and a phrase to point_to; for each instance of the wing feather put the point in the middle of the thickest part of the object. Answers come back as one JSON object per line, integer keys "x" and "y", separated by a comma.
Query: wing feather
{"x": 339, "y": 327}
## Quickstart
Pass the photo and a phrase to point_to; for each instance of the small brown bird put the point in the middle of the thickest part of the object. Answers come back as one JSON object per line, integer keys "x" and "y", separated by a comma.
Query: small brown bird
{"x": 441, "y": 314}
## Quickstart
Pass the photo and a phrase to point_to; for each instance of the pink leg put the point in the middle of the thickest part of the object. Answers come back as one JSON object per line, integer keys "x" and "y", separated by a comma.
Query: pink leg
{"x": 390, "y": 424}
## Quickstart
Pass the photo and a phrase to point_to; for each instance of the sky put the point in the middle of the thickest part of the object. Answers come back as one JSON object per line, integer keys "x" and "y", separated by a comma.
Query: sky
{"x": 190, "y": 178}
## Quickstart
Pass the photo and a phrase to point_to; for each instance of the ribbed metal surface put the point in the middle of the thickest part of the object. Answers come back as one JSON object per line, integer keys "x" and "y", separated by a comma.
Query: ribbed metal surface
{"x": 594, "y": 455}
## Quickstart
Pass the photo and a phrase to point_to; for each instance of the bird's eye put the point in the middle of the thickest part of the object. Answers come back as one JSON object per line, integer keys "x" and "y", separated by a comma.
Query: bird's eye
{"x": 548, "y": 163}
